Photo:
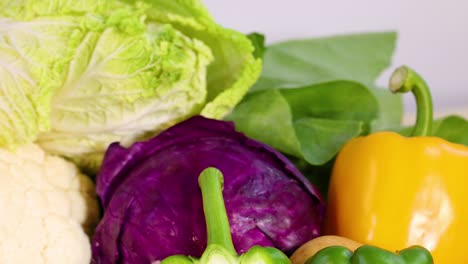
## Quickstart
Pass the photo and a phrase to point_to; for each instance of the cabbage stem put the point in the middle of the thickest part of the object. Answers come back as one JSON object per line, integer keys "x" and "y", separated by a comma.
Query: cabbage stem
{"x": 217, "y": 223}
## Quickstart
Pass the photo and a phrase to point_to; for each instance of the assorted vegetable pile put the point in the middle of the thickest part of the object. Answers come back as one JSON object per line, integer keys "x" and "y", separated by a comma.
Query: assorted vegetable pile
{"x": 145, "y": 132}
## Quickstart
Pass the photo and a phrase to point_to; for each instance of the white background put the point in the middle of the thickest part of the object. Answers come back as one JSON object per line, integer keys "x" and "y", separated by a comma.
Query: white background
{"x": 432, "y": 34}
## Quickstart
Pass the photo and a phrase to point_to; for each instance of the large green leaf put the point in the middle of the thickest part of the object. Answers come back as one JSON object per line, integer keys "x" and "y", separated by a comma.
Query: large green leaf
{"x": 390, "y": 112}
{"x": 321, "y": 139}
{"x": 358, "y": 57}
{"x": 266, "y": 116}
{"x": 311, "y": 122}
{"x": 341, "y": 100}
{"x": 453, "y": 129}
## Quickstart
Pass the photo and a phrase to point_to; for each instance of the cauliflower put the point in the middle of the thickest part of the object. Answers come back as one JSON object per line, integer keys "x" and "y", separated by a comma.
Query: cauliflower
{"x": 48, "y": 209}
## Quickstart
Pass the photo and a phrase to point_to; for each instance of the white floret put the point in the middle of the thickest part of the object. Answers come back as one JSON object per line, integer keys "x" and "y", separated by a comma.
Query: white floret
{"x": 47, "y": 208}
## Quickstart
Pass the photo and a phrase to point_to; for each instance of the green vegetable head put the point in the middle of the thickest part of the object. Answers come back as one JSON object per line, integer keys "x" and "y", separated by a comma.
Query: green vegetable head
{"x": 76, "y": 77}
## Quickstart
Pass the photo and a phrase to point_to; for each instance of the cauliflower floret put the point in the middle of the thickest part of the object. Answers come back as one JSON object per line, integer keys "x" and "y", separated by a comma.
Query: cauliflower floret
{"x": 47, "y": 209}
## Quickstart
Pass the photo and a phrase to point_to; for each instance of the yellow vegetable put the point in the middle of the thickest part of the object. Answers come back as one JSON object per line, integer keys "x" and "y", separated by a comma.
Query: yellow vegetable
{"x": 394, "y": 192}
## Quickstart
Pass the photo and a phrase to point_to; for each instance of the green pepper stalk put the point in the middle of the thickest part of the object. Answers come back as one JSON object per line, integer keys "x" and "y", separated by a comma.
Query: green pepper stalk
{"x": 371, "y": 255}
{"x": 405, "y": 79}
{"x": 220, "y": 249}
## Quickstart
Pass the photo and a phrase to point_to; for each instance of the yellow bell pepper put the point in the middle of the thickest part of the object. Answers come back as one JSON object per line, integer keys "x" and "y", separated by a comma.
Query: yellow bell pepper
{"x": 393, "y": 191}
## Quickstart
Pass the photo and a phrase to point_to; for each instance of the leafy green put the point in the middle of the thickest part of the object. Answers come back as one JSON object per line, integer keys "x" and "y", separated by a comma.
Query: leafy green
{"x": 451, "y": 128}
{"x": 28, "y": 74}
{"x": 321, "y": 139}
{"x": 357, "y": 57}
{"x": 234, "y": 68}
{"x": 77, "y": 76}
{"x": 307, "y": 122}
{"x": 316, "y": 94}
{"x": 272, "y": 123}
{"x": 258, "y": 41}
{"x": 390, "y": 113}
{"x": 32, "y": 9}
{"x": 109, "y": 94}
{"x": 341, "y": 100}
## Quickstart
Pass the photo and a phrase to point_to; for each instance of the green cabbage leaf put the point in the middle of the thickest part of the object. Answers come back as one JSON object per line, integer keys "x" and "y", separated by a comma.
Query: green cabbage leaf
{"x": 76, "y": 76}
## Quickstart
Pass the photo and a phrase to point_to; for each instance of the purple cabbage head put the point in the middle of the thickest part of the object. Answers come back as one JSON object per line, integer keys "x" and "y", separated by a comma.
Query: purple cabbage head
{"x": 153, "y": 206}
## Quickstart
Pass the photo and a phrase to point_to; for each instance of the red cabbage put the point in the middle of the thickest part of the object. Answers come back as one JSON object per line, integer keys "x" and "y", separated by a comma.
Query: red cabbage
{"x": 152, "y": 202}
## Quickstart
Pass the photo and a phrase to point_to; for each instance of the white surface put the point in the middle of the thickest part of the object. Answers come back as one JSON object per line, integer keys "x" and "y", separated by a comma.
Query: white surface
{"x": 433, "y": 35}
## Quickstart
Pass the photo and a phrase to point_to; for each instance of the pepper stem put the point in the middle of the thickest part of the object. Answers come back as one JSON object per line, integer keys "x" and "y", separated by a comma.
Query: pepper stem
{"x": 217, "y": 224}
{"x": 403, "y": 80}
